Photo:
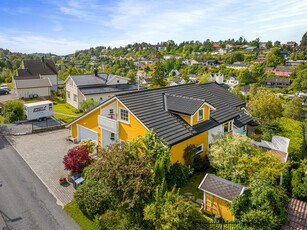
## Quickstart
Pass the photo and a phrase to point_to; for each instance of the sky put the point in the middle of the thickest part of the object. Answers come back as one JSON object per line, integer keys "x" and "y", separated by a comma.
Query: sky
{"x": 64, "y": 26}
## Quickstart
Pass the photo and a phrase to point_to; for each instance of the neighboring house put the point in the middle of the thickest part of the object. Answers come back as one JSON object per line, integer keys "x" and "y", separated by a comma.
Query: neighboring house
{"x": 300, "y": 48}
{"x": 278, "y": 82}
{"x": 33, "y": 88}
{"x": 251, "y": 49}
{"x": 147, "y": 81}
{"x": 209, "y": 62}
{"x": 167, "y": 56}
{"x": 220, "y": 52}
{"x": 39, "y": 69}
{"x": 261, "y": 58}
{"x": 237, "y": 66}
{"x": 291, "y": 44}
{"x": 216, "y": 45}
{"x": 218, "y": 195}
{"x": 177, "y": 81}
{"x": 232, "y": 81}
{"x": 268, "y": 69}
{"x": 245, "y": 89}
{"x": 180, "y": 115}
{"x": 262, "y": 45}
{"x": 230, "y": 46}
{"x": 294, "y": 63}
{"x": 283, "y": 71}
{"x": 192, "y": 77}
{"x": 186, "y": 61}
{"x": 285, "y": 53}
{"x": 297, "y": 215}
{"x": 98, "y": 87}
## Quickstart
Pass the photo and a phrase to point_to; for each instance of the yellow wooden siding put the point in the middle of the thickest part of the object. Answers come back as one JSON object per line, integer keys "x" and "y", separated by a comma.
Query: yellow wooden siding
{"x": 186, "y": 118}
{"x": 195, "y": 121}
{"x": 177, "y": 150}
{"x": 128, "y": 132}
{"x": 90, "y": 121}
{"x": 218, "y": 206}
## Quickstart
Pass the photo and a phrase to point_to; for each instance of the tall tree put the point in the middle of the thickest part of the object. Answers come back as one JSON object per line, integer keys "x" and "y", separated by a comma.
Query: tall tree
{"x": 276, "y": 43}
{"x": 268, "y": 45}
{"x": 304, "y": 39}
{"x": 294, "y": 109}
{"x": 274, "y": 57}
{"x": 158, "y": 73}
{"x": 265, "y": 106}
{"x": 300, "y": 82}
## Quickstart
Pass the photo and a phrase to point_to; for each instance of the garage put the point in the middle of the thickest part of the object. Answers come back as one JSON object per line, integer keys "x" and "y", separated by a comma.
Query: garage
{"x": 85, "y": 133}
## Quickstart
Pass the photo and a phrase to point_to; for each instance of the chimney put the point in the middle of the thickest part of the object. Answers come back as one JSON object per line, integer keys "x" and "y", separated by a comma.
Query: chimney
{"x": 164, "y": 101}
{"x": 96, "y": 72}
{"x": 43, "y": 59}
{"x": 219, "y": 78}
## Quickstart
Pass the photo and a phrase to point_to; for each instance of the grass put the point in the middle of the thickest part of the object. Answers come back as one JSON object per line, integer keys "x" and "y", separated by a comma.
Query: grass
{"x": 64, "y": 118}
{"x": 10, "y": 84}
{"x": 73, "y": 210}
{"x": 192, "y": 185}
{"x": 66, "y": 108}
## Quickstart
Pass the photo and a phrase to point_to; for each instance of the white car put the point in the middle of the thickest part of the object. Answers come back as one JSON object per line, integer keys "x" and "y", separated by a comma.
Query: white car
{"x": 4, "y": 86}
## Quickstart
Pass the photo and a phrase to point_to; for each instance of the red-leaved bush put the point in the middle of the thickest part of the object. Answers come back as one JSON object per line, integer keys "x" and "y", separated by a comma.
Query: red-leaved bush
{"x": 77, "y": 159}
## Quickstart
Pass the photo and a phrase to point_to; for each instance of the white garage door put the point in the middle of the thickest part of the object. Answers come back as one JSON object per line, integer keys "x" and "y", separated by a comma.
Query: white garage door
{"x": 85, "y": 133}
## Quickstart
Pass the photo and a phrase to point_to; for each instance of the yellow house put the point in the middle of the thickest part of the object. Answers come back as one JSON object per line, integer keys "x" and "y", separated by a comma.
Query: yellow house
{"x": 218, "y": 195}
{"x": 180, "y": 115}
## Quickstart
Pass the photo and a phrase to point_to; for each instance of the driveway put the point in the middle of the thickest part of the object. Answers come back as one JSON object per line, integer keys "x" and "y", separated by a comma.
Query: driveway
{"x": 25, "y": 203}
{"x": 9, "y": 97}
{"x": 44, "y": 153}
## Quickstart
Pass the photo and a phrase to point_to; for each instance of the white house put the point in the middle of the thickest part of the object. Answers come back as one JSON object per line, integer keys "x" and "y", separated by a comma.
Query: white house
{"x": 98, "y": 87}
{"x": 232, "y": 81}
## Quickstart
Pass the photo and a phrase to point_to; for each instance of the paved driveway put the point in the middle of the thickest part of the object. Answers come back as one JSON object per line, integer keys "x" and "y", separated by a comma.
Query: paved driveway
{"x": 44, "y": 153}
{"x": 9, "y": 97}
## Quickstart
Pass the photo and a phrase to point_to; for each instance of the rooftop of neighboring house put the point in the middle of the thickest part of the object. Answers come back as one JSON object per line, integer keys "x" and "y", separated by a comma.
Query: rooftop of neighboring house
{"x": 278, "y": 80}
{"x": 245, "y": 88}
{"x": 95, "y": 79}
{"x": 109, "y": 89}
{"x": 220, "y": 187}
{"x": 32, "y": 83}
{"x": 231, "y": 78}
{"x": 283, "y": 69}
{"x": 238, "y": 65}
{"x": 297, "y": 215}
{"x": 37, "y": 67}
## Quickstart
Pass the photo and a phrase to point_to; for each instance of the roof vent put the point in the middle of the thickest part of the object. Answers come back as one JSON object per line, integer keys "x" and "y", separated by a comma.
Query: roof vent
{"x": 96, "y": 72}
{"x": 43, "y": 59}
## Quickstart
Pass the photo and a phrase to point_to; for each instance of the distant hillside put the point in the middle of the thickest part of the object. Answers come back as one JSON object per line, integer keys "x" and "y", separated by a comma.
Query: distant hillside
{"x": 43, "y": 54}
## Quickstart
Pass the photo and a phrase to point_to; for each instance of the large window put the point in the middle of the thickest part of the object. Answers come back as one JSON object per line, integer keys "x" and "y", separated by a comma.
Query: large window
{"x": 199, "y": 149}
{"x": 201, "y": 115}
{"x": 124, "y": 115}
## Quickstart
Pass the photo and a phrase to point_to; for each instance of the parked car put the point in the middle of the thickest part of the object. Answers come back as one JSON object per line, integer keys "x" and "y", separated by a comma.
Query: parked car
{"x": 4, "y": 86}
{"x": 4, "y": 91}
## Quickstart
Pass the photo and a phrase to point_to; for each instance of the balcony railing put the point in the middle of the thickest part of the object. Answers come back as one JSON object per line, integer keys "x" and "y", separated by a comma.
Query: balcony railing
{"x": 108, "y": 124}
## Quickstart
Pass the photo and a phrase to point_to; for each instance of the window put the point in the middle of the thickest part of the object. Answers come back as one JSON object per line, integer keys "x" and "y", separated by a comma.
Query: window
{"x": 68, "y": 94}
{"x": 112, "y": 136}
{"x": 111, "y": 111}
{"x": 201, "y": 113}
{"x": 100, "y": 98}
{"x": 75, "y": 97}
{"x": 228, "y": 127}
{"x": 244, "y": 128}
{"x": 199, "y": 149}
{"x": 123, "y": 115}
{"x": 117, "y": 81}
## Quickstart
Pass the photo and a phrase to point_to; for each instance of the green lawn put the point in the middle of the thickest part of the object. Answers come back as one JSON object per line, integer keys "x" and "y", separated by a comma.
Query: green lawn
{"x": 64, "y": 118}
{"x": 73, "y": 210}
{"x": 66, "y": 108}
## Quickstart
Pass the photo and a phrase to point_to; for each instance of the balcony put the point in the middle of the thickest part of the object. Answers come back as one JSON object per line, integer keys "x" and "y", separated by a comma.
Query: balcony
{"x": 108, "y": 124}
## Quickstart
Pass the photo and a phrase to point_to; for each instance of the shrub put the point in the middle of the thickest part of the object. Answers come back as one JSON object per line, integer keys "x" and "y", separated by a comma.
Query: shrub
{"x": 178, "y": 175}
{"x": 13, "y": 111}
{"x": 113, "y": 220}
{"x": 269, "y": 129}
{"x": 91, "y": 199}
{"x": 77, "y": 159}
{"x": 188, "y": 154}
{"x": 294, "y": 130}
{"x": 299, "y": 181}
{"x": 200, "y": 164}
{"x": 89, "y": 144}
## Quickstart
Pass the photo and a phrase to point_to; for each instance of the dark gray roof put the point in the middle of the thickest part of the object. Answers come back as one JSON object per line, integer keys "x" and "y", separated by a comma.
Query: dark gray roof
{"x": 147, "y": 105}
{"x": 278, "y": 80}
{"x": 220, "y": 187}
{"x": 243, "y": 119}
{"x": 37, "y": 67}
{"x": 32, "y": 83}
{"x": 230, "y": 77}
{"x": 89, "y": 79}
{"x": 109, "y": 89}
{"x": 183, "y": 105}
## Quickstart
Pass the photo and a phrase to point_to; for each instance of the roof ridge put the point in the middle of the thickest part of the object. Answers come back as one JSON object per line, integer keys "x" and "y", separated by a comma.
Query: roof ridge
{"x": 225, "y": 180}
{"x": 186, "y": 97}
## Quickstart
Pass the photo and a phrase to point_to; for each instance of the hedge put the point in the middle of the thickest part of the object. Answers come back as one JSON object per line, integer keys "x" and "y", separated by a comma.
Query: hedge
{"x": 294, "y": 130}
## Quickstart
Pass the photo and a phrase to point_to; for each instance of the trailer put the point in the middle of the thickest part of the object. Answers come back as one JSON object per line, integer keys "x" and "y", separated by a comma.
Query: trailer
{"x": 38, "y": 110}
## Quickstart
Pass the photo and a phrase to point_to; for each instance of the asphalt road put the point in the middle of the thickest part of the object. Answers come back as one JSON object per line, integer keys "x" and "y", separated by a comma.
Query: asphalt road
{"x": 25, "y": 202}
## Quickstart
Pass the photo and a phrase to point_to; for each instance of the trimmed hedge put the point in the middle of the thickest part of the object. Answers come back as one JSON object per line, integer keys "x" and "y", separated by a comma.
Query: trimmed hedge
{"x": 294, "y": 130}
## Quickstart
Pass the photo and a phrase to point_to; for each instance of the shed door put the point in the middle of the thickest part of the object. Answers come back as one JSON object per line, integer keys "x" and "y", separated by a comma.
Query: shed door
{"x": 85, "y": 133}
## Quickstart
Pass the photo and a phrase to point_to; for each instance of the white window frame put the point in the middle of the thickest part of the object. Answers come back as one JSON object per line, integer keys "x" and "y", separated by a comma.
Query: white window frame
{"x": 199, "y": 151}
{"x": 120, "y": 117}
{"x": 75, "y": 97}
{"x": 198, "y": 119}
{"x": 68, "y": 94}
{"x": 229, "y": 125}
